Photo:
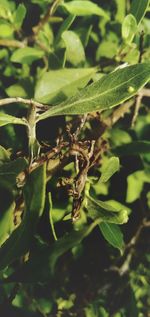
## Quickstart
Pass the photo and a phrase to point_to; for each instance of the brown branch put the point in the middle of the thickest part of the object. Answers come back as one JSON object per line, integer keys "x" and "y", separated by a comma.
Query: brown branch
{"x": 50, "y": 11}
{"x": 136, "y": 110}
{"x": 119, "y": 113}
{"x": 29, "y": 102}
{"x": 125, "y": 107}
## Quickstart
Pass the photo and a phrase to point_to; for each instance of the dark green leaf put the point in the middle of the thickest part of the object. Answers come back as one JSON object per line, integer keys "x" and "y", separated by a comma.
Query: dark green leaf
{"x": 133, "y": 148}
{"x": 106, "y": 93}
{"x": 43, "y": 259}
{"x": 138, "y": 9}
{"x": 6, "y": 213}
{"x": 19, "y": 242}
{"x": 10, "y": 170}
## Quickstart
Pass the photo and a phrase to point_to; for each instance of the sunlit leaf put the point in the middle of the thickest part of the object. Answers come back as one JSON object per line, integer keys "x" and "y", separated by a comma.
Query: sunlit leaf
{"x": 83, "y": 8}
{"x": 26, "y": 55}
{"x": 7, "y": 119}
{"x": 112, "y": 233}
{"x": 109, "y": 168}
{"x": 55, "y": 86}
{"x": 97, "y": 209}
{"x": 129, "y": 28}
{"x": 105, "y": 93}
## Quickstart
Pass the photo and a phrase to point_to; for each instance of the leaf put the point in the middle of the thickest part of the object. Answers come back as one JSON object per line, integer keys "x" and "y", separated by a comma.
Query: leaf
{"x": 6, "y": 213}
{"x": 6, "y": 30}
{"x": 138, "y": 9}
{"x": 43, "y": 258}
{"x": 133, "y": 148}
{"x": 7, "y": 119}
{"x": 83, "y": 8}
{"x": 55, "y": 86}
{"x": 19, "y": 242}
{"x": 51, "y": 216}
{"x": 26, "y": 55}
{"x": 64, "y": 27}
{"x": 4, "y": 155}
{"x": 106, "y": 93}
{"x": 109, "y": 168}
{"x": 121, "y": 9}
{"x": 100, "y": 210}
{"x": 16, "y": 90}
{"x": 112, "y": 234}
{"x": 135, "y": 184}
{"x": 19, "y": 16}
{"x": 129, "y": 28}
{"x": 74, "y": 49}
{"x": 10, "y": 170}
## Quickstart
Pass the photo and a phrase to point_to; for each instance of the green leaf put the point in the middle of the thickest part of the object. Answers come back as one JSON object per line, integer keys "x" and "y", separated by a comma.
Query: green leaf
{"x": 113, "y": 234}
{"x": 10, "y": 170}
{"x": 138, "y": 9}
{"x": 6, "y": 30}
{"x": 19, "y": 242}
{"x": 64, "y": 27}
{"x": 100, "y": 210}
{"x": 83, "y": 8}
{"x": 106, "y": 93}
{"x": 26, "y": 55}
{"x": 121, "y": 9}
{"x": 135, "y": 184}
{"x": 7, "y": 119}
{"x": 4, "y": 155}
{"x": 43, "y": 258}
{"x": 6, "y": 214}
{"x": 129, "y": 28}
{"x": 133, "y": 148}
{"x": 16, "y": 90}
{"x": 74, "y": 49}
{"x": 56, "y": 85}
{"x": 109, "y": 168}
{"x": 19, "y": 16}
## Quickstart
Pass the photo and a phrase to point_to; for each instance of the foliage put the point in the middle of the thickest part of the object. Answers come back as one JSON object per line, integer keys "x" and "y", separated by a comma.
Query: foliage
{"x": 74, "y": 158}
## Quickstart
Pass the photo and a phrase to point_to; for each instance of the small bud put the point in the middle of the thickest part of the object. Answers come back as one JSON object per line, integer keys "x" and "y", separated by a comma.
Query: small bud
{"x": 131, "y": 89}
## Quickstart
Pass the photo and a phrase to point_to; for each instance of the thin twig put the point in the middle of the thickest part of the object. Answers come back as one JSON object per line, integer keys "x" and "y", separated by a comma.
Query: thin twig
{"x": 118, "y": 113}
{"x": 29, "y": 102}
{"x": 137, "y": 108}
{"x": 50, "y": 11}
{"x": 12, "y": 43}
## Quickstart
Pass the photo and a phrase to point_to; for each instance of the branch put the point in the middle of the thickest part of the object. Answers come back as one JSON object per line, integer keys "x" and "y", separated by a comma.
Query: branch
{"x": 29, "y": 102}
{"x": 12, "y": 43}
{"x": 51, "y": 10}
{"x": 125, "y": 107}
